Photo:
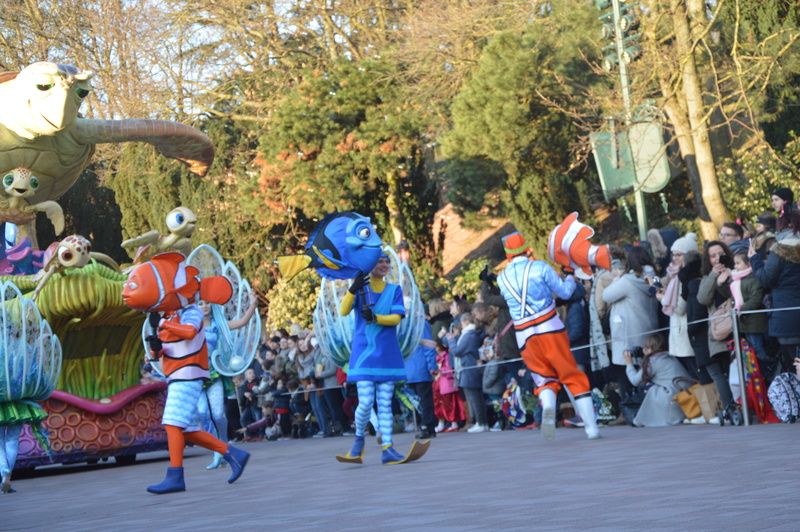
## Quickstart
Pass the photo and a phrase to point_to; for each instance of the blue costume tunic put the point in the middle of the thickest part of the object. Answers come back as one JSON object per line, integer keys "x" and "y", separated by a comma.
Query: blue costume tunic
{"x": 376, "y": 354}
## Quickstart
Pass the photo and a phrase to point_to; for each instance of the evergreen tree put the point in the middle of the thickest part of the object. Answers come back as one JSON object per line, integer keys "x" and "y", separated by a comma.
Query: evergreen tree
{"x": 509, "y": 126}
{"x": 346, "y": 139}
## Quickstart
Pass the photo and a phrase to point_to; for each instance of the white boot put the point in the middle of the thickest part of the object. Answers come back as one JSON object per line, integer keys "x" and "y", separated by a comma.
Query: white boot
{"x": 548, "y": 398}
{"x": 585, "y": 408}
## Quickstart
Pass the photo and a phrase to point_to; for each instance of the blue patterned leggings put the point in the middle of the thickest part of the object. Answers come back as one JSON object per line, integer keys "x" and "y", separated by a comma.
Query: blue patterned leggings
{"x": 211, "y": 410}
{"x": 367, "y": 391}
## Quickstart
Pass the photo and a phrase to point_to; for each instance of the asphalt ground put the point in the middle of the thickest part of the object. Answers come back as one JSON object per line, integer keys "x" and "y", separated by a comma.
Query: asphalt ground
{"x": 674, "y": 478}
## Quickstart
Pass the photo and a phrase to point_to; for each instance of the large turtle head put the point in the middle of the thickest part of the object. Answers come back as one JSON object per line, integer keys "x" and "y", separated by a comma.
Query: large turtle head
{"x": 20, "y": 183}
{"x": 44, "y": 98}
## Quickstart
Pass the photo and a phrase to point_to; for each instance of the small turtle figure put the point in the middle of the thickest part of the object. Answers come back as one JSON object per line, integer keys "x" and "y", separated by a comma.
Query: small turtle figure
{"x": 181, "y": 223}
{"x": 74, "y": 251}
{"x": 20, "y": 184}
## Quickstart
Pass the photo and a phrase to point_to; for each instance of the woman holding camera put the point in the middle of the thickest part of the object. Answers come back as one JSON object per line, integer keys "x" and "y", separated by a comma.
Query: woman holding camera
{"x": 658, "y": 369}
{"x": 717, "y": 258}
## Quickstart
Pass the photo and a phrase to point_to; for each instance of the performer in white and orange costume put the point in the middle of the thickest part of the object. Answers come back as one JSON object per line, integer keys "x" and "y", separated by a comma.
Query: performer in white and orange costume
{"x": 165, "y": 284}
{"x": 528, "y": 287}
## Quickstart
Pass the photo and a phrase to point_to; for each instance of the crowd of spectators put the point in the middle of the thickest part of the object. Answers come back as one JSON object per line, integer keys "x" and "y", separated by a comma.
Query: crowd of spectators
{"x": 640, "y": 331}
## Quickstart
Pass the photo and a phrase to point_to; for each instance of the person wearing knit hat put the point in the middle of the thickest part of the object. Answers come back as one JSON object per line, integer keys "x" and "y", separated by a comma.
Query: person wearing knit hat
{"x": 685, "y": 244}
{"x": 781, "y": 197}
{"x": 528, "y": 287}
{"x": 674, "y": 305}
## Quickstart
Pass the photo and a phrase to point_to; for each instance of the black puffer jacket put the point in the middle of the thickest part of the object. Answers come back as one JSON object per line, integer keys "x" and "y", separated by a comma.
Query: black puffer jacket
{"x": 780, "y": 273}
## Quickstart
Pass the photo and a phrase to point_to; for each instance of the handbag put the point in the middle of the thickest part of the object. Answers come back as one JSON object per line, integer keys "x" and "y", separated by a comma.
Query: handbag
{"x": 720, "y": 321}
{"x": 709, "y": 400}
{"x": 686, "y": 398}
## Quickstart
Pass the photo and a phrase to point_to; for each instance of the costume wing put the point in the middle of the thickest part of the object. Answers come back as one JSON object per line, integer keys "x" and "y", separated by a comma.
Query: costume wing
{"x": 30, "y": 354}
{"x": 235, "y": 349}
{"x": 335, "y": 332}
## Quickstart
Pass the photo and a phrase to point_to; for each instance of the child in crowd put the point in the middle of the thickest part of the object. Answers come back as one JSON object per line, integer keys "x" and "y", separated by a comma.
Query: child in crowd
{"x": 248, "y": 399}
{"x": 268, "y": 423}
{"x": 748, "y": 294}
{"x": 447, "y": 404}
{"x": 494, "y": 384}
{"x": 299, "y": 408}
{"x": 282, "y": 400}
{"x": 471, "y": 379}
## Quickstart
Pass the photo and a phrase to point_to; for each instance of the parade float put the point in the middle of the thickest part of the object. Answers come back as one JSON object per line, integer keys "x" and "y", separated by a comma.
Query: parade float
{"x": 101, "y": 406}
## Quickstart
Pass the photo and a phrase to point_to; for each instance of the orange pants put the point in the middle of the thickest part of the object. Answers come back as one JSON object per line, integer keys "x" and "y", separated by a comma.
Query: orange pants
{"x": 549, "y": 358}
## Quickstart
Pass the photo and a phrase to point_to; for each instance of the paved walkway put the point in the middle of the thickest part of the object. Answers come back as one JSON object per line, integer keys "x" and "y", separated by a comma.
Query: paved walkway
{"x": 675, "y": 478}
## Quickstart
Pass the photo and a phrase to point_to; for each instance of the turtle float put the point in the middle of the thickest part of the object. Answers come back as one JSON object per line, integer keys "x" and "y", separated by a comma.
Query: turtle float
{"x": 181, "y": 223}
{"x": 40, "y": 129}
{"x": 21, "y": 184}
{"x": 75, "y": 251}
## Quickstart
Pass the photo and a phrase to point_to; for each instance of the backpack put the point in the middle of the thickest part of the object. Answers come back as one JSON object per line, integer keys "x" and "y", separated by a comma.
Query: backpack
{"x": 784, "y": 396}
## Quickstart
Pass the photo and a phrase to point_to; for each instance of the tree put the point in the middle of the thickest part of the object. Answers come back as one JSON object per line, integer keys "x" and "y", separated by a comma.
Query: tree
{"x": 508, "y": 116}
{"x": 346, "y": 139}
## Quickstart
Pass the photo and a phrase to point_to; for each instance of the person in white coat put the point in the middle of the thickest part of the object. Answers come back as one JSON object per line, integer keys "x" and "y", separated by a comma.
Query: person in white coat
{"x": 674, "y": 305}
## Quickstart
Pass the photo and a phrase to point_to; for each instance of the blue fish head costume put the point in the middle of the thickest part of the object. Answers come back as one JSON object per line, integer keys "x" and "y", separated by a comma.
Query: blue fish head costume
{"x": 342, "y": 245}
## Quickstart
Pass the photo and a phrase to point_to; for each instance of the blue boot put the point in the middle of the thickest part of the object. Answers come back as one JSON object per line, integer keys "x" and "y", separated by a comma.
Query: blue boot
{"x": 237, "y": 458}
{"x": 357, "y": 450}
{"x": 172, "y": 482}
{"x": 218, "y": 461}
{"x": 390, "y": 456}
{"x": 356, "y": 453}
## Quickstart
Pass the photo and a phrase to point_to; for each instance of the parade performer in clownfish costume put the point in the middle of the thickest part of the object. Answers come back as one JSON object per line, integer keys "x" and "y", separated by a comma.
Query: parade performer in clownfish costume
{"x": 528, "y": 287}
{"x": 165, "y": 284}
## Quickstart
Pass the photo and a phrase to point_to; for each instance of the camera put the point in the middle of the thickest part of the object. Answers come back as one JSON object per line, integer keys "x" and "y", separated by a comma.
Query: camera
{"x": 637, "y": 352}
{"x": 655, "y": 282}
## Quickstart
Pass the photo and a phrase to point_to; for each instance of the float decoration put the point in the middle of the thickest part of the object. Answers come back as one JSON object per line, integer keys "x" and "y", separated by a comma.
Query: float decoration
{"x": 21, "y": 259}
{"x": 20, "y": 184}
{"x": 237, "y": 355}
{"x": 73, "y": 252}
{"x": 30, "y": 360}
{"x": 181, "y": 223}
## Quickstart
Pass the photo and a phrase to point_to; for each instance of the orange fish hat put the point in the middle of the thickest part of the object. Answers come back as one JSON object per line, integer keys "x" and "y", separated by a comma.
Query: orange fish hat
{"x": 166, "y": 283}
{"x": 515, "y": 244}
{"x": 569, "y": 246}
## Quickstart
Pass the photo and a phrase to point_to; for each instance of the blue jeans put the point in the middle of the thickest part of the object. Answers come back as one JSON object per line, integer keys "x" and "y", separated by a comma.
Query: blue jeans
{"x": 319, "y": 407}
{"x": 757, "y": 342}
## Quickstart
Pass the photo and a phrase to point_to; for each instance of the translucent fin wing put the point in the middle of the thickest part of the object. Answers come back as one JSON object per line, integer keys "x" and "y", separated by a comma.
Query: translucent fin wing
{"x": 30, "y": 355}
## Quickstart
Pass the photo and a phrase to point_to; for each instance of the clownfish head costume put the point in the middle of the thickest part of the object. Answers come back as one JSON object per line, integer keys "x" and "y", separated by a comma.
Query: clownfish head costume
{"x": 569, "y": 246}
{"x": 166, "y": 283}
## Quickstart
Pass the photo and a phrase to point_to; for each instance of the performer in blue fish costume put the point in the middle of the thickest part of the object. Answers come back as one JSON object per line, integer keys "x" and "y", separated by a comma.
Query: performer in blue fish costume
{"x": 376, "y": 362}
{"x": 342, "y": 246}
